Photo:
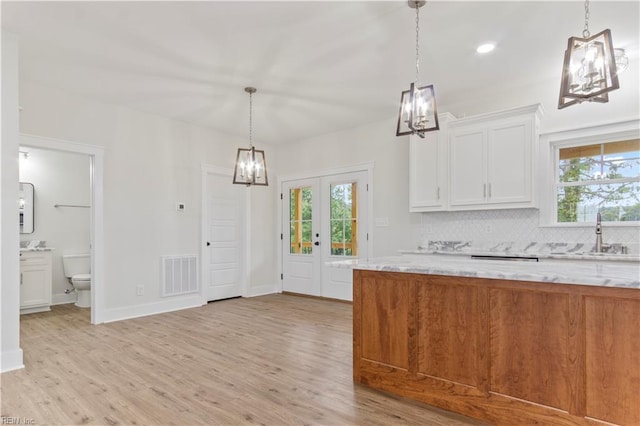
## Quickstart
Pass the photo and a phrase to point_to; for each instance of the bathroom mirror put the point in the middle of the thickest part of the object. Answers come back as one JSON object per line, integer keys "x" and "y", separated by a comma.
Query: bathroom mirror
{"x": 25, "y": 200}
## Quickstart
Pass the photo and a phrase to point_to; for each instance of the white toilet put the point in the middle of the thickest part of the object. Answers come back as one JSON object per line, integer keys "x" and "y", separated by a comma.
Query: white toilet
{"x": 77, "y": 269}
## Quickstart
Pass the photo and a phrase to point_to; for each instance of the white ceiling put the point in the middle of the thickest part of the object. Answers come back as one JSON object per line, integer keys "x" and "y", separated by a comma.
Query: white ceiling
{"x": 319, "y": 66}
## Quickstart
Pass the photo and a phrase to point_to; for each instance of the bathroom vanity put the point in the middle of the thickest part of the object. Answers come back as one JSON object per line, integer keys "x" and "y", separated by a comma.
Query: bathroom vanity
{"x": 35, "y": 281}
{"x": 553, "y": 342}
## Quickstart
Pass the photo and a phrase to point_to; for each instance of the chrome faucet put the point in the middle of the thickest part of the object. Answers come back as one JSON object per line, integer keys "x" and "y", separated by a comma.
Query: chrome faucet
{"x": 600, "y": 247}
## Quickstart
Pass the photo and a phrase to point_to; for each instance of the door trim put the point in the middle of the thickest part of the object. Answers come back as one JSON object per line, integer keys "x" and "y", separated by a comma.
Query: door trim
{"x": 246, "y": 253}
{"x": 96, "y": 156}
{"x": 367, "y": 167}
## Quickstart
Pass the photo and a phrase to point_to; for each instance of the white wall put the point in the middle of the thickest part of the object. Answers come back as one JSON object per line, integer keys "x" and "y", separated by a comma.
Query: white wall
{"x": 59, "y": 178}
{"x": 10, "y": 352}
{"x": 151, "y": 163}
{"x": 624, "y": 103}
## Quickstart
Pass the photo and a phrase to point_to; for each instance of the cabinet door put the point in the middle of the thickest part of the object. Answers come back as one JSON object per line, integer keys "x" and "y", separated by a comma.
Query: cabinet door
{"x": 467, "y": 171}
{"x": 509, "y": 158}
{"x": 427, "y": 172}
{"x": 35, "y": 286}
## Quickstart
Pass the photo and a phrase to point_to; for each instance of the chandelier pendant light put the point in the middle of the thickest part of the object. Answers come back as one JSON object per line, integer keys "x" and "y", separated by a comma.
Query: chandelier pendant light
{"x": 418, "y": 112}
{"x": 589, "y": 72}
{"x": 251, "y": 165}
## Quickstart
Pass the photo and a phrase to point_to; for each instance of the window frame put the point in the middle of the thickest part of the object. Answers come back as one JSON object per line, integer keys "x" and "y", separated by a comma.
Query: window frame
{"x": 551, "y": 144}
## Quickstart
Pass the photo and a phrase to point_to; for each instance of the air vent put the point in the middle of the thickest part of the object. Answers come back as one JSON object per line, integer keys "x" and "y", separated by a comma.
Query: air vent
{"x": 179, "y": 275}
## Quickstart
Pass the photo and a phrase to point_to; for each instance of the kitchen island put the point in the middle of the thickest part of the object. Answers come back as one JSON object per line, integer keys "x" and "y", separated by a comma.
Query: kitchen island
{"x": 552, "y": 342}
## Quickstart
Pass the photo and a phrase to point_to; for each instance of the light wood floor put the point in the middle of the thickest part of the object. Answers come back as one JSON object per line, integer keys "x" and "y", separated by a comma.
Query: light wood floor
{"x": 272, "y": 360}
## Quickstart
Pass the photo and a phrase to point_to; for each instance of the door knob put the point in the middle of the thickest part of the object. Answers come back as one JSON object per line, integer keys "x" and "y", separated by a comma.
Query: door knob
{"x": 317, "y": 243}
{"x": 208, "y": 243}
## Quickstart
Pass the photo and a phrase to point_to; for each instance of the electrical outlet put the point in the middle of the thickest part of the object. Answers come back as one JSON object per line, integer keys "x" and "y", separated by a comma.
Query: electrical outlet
{"x": 140, "y": 290}
{"x": 180, "y": 207}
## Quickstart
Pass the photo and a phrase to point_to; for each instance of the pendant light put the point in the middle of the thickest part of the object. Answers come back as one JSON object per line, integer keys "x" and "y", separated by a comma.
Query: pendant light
{"x": 418, "y": 112}
{"x": 589, "y": 72}
{"x": 251, "y": 165}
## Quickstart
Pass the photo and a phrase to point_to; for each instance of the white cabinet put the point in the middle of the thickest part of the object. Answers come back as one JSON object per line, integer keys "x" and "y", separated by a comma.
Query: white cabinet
{"x": 428, "y": 169}
{"x": 492, "y": 160}
{"x": 35, "y": 281}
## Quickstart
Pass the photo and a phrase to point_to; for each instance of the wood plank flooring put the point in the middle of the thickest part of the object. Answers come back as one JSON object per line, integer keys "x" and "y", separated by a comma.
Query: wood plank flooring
{"x": 271, "y": 360}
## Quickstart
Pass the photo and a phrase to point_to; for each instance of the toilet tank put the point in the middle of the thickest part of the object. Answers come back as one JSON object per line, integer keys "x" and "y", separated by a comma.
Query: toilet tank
{"x": 74, "y": 264}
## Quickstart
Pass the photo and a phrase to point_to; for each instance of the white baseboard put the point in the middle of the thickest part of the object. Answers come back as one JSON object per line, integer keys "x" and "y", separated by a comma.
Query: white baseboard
{"x": 261, "y": 290}
{"x": 11, "y": 360}
{"x": 186, "y": 302}
{"x": 63, "y": 299}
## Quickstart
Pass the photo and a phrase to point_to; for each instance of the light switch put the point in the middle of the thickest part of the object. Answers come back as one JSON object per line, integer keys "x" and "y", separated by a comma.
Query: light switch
{"x": 382, "y": 221}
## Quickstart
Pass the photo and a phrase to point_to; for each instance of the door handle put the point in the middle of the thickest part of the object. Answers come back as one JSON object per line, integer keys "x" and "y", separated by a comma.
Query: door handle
{"x": 317, "y": 243}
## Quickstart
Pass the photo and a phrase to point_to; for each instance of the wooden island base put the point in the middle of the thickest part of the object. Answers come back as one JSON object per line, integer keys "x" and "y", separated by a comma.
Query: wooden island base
{"x": 508, "y": 352}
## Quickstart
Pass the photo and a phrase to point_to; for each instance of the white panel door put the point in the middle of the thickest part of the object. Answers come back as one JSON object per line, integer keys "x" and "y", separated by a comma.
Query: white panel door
{"x": 225, "y": 224}
{"x": 301, "y": 237}
{"x": 344, "y": 228}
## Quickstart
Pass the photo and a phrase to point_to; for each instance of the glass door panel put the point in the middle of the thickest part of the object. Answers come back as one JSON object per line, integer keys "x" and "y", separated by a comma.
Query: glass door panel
{"x": 301, "y": 220}
{"x": 344, "y": 219}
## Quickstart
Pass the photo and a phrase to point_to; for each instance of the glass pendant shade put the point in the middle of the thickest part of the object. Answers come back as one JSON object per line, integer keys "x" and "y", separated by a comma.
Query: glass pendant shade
{"x": 251, "y": 167}
{"x": 589, "y": 70}
{"x": 418, "y": 111}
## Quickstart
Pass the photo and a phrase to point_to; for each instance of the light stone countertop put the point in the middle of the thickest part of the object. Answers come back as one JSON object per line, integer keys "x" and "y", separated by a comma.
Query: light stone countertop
{"x": 596, "y": 273}
{"x": 587, "y": 256}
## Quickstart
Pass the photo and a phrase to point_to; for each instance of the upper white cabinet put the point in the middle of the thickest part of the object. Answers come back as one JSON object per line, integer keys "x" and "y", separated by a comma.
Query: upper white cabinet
{"x": 492, "y": 160}
{"x": 35, "y": 281}
{"x": 428, "y": 169}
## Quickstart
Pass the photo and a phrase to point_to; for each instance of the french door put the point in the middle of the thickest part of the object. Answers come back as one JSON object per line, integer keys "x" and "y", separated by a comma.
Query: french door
{"x": 323, "y": 219}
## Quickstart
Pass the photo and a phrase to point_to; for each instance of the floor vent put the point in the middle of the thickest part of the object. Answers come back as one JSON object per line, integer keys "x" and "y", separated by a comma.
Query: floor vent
{"x": 179, "y": 275}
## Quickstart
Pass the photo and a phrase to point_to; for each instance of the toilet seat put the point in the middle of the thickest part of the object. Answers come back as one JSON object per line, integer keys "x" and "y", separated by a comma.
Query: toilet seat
{"x": 81, "y": 277}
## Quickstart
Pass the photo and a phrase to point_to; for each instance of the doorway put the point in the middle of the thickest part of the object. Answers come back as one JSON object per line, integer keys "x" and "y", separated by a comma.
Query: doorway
{"x": 224, "y": 234}
{"x": 324, "y": 219}
{"x": 96, "y": 233}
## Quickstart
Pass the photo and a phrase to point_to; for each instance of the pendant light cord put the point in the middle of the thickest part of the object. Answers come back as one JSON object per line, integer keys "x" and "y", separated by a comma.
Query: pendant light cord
{"x": 417, "y": 46}
{"x": 250, "y": 120}
{"x": 585, "y": 32}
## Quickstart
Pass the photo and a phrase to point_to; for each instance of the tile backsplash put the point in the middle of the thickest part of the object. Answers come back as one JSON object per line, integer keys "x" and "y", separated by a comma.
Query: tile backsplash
{"x": 520, "y": 226}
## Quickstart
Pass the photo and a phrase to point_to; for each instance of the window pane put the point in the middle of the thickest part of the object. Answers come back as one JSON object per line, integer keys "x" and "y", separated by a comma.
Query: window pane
{"x": 621, "y": 166}
{"x": 306, "y": 203}
{"x": 612, "y": 160}
{"x": 615, "y": 202}
{"x": 293, "y": 240}
{"x": 580, "y": 169}
{"x": 341, "y": 201}
{"x": 344, "y": 212}
{"x": 306, "y": 231}
{"x": 348, "y": 240}
{"x": 300, "y": 216}
{"x": 337, "y": 237}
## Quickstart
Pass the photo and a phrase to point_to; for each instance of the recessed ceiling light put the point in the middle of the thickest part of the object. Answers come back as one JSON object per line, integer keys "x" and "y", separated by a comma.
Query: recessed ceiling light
{"x": 485, "y": 48}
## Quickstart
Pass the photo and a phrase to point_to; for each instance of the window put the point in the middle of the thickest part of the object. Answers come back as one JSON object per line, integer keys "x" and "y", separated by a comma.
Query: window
{"x": 598, "y": 177}
{"x": 300, "y": 220}
{"x": 344, "y": 219}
